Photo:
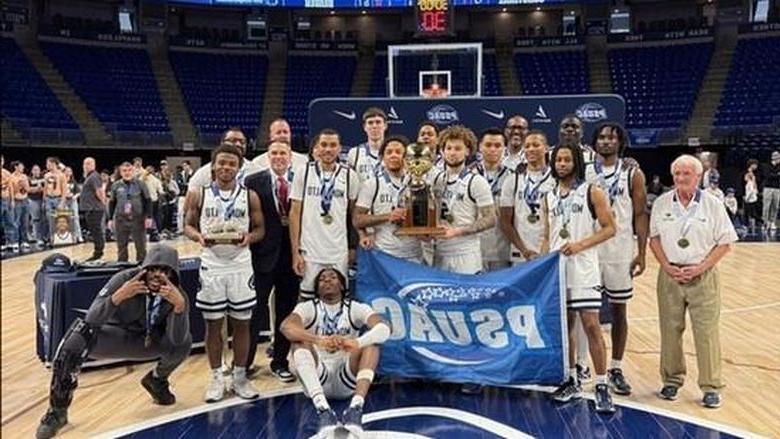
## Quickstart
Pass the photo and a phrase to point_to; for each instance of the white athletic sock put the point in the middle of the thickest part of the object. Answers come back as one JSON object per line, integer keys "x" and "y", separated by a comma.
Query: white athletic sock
{"x": 615, "y": 364}
{"x": 307, "y": 372}
{"x": 601, "y": 379}
{"x": 239, "y": 372}
{"x": 573, "y": 373}
{"x": 357, "y": 400}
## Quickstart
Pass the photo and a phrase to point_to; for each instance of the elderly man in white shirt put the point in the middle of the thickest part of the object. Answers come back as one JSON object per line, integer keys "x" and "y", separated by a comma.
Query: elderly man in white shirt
{"x": 690, "y": 232}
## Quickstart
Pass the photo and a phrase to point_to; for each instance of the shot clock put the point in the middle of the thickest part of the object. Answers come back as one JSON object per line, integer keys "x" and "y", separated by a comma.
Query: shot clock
{"x": 434, "y": 17}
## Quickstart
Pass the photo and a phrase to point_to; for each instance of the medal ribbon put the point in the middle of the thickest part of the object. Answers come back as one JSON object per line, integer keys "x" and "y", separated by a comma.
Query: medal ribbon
{"x": 686, "y": 215}
{"x": 327, "y": 188}
{"x": 565, "y": 203}
{"x": 330, "y": 323}
{"x": 495, "y": 189}
{"x": 531, "y": 189}
{"x": 152, "y": 310}
{"x": 612, "y": 189}
{"x": 225, "y": 211}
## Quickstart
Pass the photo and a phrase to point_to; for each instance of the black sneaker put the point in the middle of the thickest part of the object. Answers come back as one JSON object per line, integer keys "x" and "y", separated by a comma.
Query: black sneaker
{"x": 94, "y": 257}
{"x": 583, "y": 374}
{"x": 603, "y": 399}
{"x": 52, "y": 421}
{"x": 471, "y": 389}
{"x": 328, "y": 422}
{"x": 668, "y": 392}
{"x": 352, "y": 419}
{"x": 283, "y": 374}
{"x": 712, "y": 400}
{"x": 568, "y": 391}
{"x": 158, "y": 388}
{"x": 618, "y": 382}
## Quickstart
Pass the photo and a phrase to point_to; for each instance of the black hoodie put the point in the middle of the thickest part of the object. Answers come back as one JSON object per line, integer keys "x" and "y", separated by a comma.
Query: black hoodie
{"x": 131, "y": 314}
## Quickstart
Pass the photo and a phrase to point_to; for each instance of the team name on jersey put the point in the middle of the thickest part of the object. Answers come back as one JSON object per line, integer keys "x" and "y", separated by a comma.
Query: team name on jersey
{"x": 575, "y": 208}
{"x": 314, "y": 191}
{"x": 213, "y": 212}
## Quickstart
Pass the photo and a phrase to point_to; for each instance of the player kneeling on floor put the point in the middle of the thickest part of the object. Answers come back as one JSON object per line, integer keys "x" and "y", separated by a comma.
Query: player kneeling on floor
{"x": 140, "y": 314}
{"x": 329, "y": 358}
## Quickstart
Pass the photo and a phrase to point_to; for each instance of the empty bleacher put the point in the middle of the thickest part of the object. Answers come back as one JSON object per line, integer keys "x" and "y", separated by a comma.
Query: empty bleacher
{"x": 553, "y": 72}
{"x": 660, "y": 83}
{"x": 222, "y": 90}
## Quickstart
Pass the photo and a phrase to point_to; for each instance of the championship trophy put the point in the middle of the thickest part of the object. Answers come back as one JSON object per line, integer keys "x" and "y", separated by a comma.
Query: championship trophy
{"x": 229, "y": 234}
{"x": 419, "y": 201}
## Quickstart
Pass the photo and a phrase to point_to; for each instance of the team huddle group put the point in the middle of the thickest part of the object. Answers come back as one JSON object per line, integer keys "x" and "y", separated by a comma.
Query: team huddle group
{"x": 287, "y": 223}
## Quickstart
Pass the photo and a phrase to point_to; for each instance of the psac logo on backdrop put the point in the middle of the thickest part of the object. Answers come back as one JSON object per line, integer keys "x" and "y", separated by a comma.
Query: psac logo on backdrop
{"x": 591, "y": 112}
{"x": 428, "y": 315}
{"x": 443, "y": 114}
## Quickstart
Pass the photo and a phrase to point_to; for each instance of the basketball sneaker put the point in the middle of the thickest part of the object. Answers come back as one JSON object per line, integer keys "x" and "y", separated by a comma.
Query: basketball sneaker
{"x": 328, "y": 422}
{"x": 569, "y": 390}
{"x": 243, "y": 388}
{"x": 352, "y": 419}
{"x": 216, "y": 389}
{"x": 618, "y": 382}
{"x": 52, "y": 421}
{"x": 603, "y": 399}
{"x": 158, "y": 388}
{"x": 583, "y": 374}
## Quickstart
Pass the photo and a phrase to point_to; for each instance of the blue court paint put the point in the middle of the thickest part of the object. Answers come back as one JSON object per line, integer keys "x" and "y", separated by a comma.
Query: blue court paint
{"x": 437, "y": 411}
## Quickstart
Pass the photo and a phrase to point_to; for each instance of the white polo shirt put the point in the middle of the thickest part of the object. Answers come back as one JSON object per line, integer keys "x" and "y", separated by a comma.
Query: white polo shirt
{"x": 704, "y": 224}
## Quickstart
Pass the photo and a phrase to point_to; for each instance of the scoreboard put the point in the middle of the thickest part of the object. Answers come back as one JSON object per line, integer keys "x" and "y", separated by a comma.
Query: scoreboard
{"x": 434, "y": 18}
{"x": 364, "y": 4}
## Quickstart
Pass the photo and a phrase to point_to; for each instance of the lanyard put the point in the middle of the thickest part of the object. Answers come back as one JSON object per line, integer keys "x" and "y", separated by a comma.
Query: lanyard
{"x": 612, "y": 188}
{"x": 564, "y": 203}
{"x": 686, "y": 214}
{"x": 225, "y": 211}
{"x": 327, "y": 188}
{"x": 495, "y": 189}
{"x": 531, "y": 188}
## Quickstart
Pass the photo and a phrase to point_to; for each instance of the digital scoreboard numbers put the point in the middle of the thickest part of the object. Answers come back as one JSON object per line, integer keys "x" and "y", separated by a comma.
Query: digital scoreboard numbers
{"x": 434, "y": 18}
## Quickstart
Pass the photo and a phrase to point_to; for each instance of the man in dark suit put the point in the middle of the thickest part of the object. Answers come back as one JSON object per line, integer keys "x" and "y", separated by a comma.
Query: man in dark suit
{"x": 272, "y": 257}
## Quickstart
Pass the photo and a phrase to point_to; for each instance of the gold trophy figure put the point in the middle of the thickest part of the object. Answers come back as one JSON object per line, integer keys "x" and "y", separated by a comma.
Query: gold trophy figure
{"x": 419, "y": 200}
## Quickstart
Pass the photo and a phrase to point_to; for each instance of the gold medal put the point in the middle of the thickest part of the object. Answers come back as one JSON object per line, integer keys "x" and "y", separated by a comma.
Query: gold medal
{"x": 563, "y": 233}
{"x": 683, "y": 243}
{"x": 532, "y": 218}
{"x": 327, "y": 218}
{"x": 285, "y": 221}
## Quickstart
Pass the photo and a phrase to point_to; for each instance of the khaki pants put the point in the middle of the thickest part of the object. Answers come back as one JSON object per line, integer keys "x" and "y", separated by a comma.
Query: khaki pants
{"x": 702, "y": 299}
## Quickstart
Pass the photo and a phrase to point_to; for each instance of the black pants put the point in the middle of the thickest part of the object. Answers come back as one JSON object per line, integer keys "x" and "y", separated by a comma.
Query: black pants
{"x": 123, "y": 229}
{"x": 94, "y": 219}
{"x": 285, "y": 284}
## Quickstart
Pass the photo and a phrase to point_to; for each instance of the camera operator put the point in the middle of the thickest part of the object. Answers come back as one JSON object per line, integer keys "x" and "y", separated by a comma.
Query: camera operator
{"x": 140, "y": 314}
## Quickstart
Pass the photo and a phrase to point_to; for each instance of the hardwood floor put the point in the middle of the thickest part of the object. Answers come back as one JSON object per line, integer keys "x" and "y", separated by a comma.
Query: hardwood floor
{"x": 113, "y": 397}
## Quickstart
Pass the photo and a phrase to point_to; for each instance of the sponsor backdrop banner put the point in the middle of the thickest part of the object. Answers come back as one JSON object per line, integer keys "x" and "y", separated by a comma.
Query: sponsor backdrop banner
{"x": 404, "y": 115}
{"x": 503, "y": 327}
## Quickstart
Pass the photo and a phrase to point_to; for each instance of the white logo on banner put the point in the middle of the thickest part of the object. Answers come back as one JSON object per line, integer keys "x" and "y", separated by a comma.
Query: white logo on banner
{"x": 541, "y": 116}
{"x": 499, "y": 115}
{"x": 351, "y": 115}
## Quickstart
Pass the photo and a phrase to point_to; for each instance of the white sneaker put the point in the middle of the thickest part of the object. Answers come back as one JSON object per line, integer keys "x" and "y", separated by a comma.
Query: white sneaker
{"x": 14, "y": 248}
{"x": 243, "y": 388}
{"x": 216, "y": 390}
{"x": 25, "y": 246}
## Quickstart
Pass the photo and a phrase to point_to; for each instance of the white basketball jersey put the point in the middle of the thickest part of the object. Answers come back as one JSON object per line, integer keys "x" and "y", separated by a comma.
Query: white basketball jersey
{"x": 573, "y": 214}
{"x": 494, "y": 245}
{"x": 364, "y": 161}
{"x": 324, "y": 235}
{"x": 615, "y": 181}
{"x": 223, "y": 211}
{"x": 524, "y": 193}
{"x": 345, "y": 318}
{"x": 461, "y": 197}
{"x": 380, "y": 195}
{"x": 512, "y": 160}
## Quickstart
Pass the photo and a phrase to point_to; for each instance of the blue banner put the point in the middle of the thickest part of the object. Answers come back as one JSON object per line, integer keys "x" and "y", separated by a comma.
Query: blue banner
{"x": 404, "y": 114}
{"x": 503, "y": 327}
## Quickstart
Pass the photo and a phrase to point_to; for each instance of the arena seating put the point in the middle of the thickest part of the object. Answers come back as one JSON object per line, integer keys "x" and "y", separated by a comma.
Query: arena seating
{"x": 310, "y": 77}
{"x": 222, "y": 90}
{"x": 117, "y": 84}
{"x": 379, "y": 78}
{"x": 548, "y": 73}
{"x": 752, "y": 92}
{"x": 27, "y": 101}
{"x": 659, "y": 83}
{"x": 491, "y": 83}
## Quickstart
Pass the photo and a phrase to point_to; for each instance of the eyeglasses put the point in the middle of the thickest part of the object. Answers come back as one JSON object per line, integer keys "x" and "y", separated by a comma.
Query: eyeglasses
{"x": 516, "y": 127}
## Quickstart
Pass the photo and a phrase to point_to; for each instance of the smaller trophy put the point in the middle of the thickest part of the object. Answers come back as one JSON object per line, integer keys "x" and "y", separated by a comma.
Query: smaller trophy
{"x": 229, "y": 234}
{"x": 419, "y": 201}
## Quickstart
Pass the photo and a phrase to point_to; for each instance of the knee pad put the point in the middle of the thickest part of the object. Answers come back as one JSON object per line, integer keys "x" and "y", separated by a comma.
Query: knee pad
{"x": 71, "y": 353}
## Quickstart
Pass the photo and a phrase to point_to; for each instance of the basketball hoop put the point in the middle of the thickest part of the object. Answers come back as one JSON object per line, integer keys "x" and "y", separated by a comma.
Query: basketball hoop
{"x": 435, "y": 91}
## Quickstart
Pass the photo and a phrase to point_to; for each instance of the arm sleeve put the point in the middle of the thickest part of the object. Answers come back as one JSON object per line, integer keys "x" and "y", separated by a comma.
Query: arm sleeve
{"x": 507, "y": 198}
{"x": 366, "y": 194}
{"x": 102, "y": 308}
{"x": 297, "y": 186}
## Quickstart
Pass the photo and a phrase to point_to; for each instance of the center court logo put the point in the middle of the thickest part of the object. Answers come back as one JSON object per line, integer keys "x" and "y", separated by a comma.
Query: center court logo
{"x": 439, "y": 319}
{"x": 443, "y": 114}
{"x": 591, "y": 112}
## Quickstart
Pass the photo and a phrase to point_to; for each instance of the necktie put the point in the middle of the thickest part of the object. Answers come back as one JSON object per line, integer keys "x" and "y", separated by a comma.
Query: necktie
{"x": 281, "y": 195}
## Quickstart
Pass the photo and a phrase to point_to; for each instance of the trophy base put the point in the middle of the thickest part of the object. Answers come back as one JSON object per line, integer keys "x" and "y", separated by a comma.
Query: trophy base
{"x": 420, "y": 231}
{"x": 224, "y": 239}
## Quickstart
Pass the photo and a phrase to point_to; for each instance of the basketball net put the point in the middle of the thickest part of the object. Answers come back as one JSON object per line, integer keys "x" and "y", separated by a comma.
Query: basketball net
{"x": 434, "y": 91}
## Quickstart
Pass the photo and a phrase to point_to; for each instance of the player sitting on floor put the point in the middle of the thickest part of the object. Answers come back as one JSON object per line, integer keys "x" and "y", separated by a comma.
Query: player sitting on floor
{"x": 328, "y": 356}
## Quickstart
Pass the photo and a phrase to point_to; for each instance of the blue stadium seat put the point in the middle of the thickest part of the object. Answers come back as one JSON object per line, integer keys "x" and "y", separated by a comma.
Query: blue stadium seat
{"x": 751, "y": 95}
{"x": 117, "y": 84}
{"x": 659, "y": 83}
{"x": 27, "y": 100}
{"x": 310, "y": 77}
{"x": 551, "y": 73}
{"x": 222, "y": 90}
